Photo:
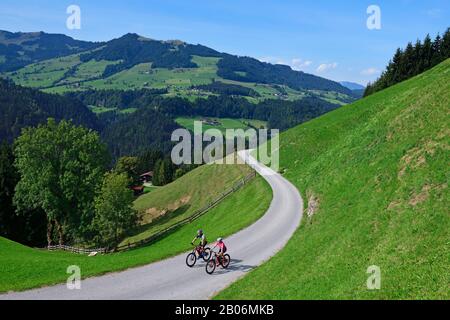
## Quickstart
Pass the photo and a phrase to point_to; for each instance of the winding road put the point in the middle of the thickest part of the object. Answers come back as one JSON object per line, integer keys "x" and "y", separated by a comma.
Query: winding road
{"x": 172, "y": 279}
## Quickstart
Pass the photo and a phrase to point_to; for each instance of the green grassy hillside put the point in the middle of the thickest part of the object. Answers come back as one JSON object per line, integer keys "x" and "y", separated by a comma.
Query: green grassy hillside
{"x": 222, "y": 123}
{"x": 180, "y": 199}
{"x": 23, "y": 268}
{"x": 65, "y": 74}
{"x": 375, "y": 175}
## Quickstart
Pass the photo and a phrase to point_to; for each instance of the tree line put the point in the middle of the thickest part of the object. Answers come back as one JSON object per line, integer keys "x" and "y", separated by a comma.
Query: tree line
{"x": 411, "y": 61}
{"x": 56, "y": 174}
{"x": 57, "y": 186}
{"x": 24, "y": 107}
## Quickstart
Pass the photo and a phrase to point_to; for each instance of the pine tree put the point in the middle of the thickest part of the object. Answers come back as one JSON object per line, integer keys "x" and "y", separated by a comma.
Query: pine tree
{"x": 157, "y": 181}
{"x": 427, "y": 53}
{"x": 437, "y": 51}
{"x": 445, "y": 46}
{"x": 412, "y": 61}
{"x": 396, "y": 69}
{"x": 408, "y": 61}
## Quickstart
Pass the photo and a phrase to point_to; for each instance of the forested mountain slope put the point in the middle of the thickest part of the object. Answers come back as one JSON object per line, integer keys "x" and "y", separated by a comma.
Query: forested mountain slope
{"x": 22, "y": 107}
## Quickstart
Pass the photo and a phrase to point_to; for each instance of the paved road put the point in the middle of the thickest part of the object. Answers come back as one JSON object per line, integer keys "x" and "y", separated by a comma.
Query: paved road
{"x": 172, "y": 279}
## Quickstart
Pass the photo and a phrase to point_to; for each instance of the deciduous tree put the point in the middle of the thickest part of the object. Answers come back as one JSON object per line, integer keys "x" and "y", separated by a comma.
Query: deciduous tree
{"x": 61, "y": 167}
{"x": 114, "y": 213}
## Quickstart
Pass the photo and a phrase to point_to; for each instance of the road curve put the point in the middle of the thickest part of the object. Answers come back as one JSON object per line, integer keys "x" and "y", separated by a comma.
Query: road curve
{"x": 172, "y": 279}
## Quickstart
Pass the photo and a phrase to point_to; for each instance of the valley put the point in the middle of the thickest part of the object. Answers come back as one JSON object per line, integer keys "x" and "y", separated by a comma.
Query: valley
{"x": 89, "y": 159}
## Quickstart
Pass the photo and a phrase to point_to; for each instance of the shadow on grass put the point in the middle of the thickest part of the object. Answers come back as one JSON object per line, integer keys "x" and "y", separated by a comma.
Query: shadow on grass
{"x": 158, "y": 223}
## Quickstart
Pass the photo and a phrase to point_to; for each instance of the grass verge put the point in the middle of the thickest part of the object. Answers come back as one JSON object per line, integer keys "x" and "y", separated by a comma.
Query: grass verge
{"x": 24, "y": 268}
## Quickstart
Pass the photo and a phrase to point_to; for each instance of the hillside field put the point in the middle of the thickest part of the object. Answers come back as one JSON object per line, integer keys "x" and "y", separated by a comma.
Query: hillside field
{"x": 375, "y": 177}
{"x": 23, "y": 268}
{"x": 180, "y": 199}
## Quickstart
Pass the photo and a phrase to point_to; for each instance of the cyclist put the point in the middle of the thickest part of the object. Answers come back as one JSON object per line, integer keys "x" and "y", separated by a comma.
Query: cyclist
{"x": 222, "y": 249}
{"x": 200, "y": 236}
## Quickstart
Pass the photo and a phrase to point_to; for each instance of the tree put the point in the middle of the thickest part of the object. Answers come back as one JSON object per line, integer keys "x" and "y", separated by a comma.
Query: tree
{"x": 24, "y": 227}
{"x": 61, "y": 167}
{"x": 148, "y": 160}
{"x": 129, "y": 166}
{"x": 427, "y": 53}
{"x": 408, "y": 61}
{"x": 445, "y": 46}
{"x": 8, "y": 181}
{"x": 412, "y": 61}
{"x": 163, "y": 172}
{"x": 114, "y": 213}
{"x": 437, "y": 51}
{"x": 157, "y": 178}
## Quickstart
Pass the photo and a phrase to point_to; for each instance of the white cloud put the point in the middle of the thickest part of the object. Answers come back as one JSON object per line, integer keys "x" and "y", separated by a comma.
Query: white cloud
{"x": 370, "y": 72}
{"x": 434, "y": 13}
{"x": 299, "y": 64}
{"x": 324, "y": 67}
{"x": 295, "y": 63}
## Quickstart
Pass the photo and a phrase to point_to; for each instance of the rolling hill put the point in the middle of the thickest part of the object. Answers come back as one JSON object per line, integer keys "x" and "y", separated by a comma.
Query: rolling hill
{"x": 375, "y": 176}
{"x": 135, "y": 62}
{"x": 182, "y": 198}
{"x": 21, "y": 48}
{"x": 352, "y": 85}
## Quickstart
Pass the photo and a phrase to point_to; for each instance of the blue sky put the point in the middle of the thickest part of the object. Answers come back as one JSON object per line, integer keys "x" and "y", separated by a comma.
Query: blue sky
{"x": 327, "y": 38}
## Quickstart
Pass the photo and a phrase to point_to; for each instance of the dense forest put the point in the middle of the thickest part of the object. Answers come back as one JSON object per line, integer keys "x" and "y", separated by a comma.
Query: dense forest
{"x": 413, "y": 60}
{"x": 138, "y": 132}
{"x": 227, "y": 89}
{"x": 120, "y": 99}
{"x": 150, "y": 126}
{"x": 279, "y": 114}
{"x": 25, "y": 226}
{"x": 248, "y": 69}
{"x": 23, "y": 107}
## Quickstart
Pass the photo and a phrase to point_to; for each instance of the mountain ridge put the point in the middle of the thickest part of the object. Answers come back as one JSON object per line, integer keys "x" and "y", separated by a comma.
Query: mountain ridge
{"x": 19, "y": 49}
{"x": 132, "y": 50}
{"x": 352, "y": 85}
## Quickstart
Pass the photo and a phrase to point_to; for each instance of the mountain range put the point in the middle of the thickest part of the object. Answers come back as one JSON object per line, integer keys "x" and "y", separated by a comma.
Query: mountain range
{"x": 135, "y": 89}
{"x": 58, "y": 63}
{"x": 352, "y": 85}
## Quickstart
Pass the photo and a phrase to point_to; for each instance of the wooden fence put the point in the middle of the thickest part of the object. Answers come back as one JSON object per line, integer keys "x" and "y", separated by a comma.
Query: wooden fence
{"x": 161, "y": 233}
{"x": 77, "y": 250}
{"x": 191, "y": 218}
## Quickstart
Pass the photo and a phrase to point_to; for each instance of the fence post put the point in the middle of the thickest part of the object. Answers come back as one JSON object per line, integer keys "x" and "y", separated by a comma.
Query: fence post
{"x": 199, "y": 212}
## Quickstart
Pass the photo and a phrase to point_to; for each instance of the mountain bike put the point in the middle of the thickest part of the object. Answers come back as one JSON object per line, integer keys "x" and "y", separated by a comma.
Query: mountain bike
{"x": 198, "y": 252}
{"x": 216, "y": 259}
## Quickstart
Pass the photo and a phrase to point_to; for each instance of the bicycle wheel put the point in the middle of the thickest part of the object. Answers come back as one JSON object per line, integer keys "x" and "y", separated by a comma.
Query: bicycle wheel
{"x": 210, "y": 266}
{"x": 206, "y": 254}
{"x": 225, "y": 261}
{"x": 191, "y": 259}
